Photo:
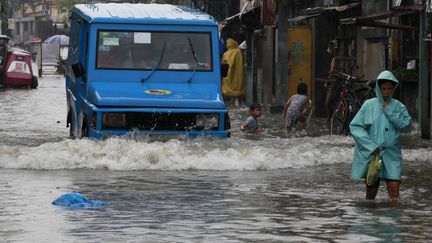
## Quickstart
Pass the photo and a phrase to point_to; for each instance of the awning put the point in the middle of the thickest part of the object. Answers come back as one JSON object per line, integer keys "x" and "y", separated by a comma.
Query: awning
{"x": 302, "y": 17}
{"x": 239, "y": 15}
{"x": 59, "y": 26}
{"x": 249, "y": 19}
{"x": 371, "y": 20}
{"x": 314, "y": 12}
{"x": 340, "y": 8}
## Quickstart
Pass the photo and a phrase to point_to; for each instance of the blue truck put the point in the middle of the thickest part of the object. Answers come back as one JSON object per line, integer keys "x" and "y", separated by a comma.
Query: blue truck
{"x": 151, "y": 68}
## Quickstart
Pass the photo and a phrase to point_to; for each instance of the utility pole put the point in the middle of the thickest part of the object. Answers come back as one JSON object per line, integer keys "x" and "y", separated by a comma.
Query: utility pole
{"x": 425, "y": 108}
{"x": 4, "y": 17}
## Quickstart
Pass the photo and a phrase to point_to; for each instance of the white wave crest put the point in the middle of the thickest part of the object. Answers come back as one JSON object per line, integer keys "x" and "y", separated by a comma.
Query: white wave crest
{"x": 194, "y": 154}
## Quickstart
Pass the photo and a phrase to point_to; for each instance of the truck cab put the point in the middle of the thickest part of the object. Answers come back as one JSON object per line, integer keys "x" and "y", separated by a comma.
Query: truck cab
{"x": 151, "y": 68}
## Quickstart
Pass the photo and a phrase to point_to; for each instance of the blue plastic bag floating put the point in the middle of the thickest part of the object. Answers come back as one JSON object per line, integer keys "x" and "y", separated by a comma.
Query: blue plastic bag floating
{"x": 77, "y": 200}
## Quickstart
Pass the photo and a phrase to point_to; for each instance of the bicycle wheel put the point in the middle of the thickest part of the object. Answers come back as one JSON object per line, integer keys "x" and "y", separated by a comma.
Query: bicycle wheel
{"x": 338, "y": 122}
{"x": 350, "y": 114}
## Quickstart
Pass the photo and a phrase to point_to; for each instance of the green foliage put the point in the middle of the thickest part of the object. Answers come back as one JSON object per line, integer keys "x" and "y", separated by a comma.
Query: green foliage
{"x": 403, "y": 74}
{"x": 66, "y": 5}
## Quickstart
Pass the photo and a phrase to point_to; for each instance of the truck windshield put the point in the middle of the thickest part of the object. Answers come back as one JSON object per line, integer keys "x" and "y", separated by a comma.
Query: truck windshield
{"x": 144, "y": 50}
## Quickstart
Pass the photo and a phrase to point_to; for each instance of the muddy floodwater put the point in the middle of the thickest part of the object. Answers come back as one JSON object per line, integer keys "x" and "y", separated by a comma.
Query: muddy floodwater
{"x": 247, "y": 188}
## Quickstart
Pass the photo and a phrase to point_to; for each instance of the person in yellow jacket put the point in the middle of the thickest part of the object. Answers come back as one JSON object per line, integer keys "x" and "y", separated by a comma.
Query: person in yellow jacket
{"x": 233, "y": 85}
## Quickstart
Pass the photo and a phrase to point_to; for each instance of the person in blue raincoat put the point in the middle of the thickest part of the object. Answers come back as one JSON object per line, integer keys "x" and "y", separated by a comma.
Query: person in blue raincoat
{"x": 376, "y": 130}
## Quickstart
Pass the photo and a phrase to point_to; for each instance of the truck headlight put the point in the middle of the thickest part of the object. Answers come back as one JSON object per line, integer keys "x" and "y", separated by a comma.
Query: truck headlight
{"x": 114, "y": 120}
{"x": 207, "y": 121}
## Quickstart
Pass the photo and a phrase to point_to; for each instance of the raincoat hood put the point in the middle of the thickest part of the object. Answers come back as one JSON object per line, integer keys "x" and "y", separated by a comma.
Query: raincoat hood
{"x": 231, "y": 44}
{"x": 385, "y": 75}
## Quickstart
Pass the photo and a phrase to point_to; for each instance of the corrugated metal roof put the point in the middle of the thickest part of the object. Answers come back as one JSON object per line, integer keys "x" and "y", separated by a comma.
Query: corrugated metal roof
{"x": 302, "y": 17}
{"x": 372, "y": 19}
{"x": 137, "y": 13}
{"x": 339, "y": 8}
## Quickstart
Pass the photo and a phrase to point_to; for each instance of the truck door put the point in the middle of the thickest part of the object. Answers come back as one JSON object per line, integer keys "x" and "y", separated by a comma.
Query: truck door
{"x": 83, "y": 55}
{"x": 76, "y": 86}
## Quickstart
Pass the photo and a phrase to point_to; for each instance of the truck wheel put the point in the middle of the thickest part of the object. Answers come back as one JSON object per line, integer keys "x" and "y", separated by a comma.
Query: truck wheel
{"x": 71, "y": 134}
{"x": 71, "y": 127}
{"x": 84, "y": 130}
{"x": 34, "y": 83}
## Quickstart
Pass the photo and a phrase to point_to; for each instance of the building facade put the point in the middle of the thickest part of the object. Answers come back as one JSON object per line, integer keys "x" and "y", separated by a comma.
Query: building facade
{"x": 288, "y": 41}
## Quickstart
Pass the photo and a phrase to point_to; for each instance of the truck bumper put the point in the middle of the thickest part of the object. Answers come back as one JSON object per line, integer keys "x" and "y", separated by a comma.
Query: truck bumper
{"x": 99, "y": 134}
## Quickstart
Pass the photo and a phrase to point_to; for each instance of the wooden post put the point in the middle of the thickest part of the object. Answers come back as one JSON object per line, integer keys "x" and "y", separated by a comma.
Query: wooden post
{"x": 424, "y": 87}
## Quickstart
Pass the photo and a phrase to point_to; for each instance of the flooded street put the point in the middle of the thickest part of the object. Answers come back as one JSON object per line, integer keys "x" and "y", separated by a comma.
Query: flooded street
{"x": 248, "y": 188}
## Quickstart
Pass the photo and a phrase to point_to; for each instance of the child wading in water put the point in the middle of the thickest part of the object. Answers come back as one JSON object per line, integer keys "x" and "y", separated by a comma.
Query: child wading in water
{"x": 251, "y": 124}
{"x": 297, "y": 108}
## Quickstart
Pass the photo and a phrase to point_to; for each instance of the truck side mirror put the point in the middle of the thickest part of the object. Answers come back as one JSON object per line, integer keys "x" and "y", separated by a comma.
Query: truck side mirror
{"x": 224, "y": 69}
{"x": 78, "y": 69}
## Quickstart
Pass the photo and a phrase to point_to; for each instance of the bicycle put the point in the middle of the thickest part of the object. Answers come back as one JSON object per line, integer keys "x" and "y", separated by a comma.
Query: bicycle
{"x": 352, "y": 93}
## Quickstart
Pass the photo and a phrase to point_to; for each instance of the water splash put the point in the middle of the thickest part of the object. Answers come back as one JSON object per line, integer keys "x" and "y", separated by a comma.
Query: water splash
{"x": 179, "y": 154}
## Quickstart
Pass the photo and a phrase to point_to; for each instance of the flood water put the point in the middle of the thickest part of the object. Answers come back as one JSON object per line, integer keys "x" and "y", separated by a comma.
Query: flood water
{"x": 248, "y": 188}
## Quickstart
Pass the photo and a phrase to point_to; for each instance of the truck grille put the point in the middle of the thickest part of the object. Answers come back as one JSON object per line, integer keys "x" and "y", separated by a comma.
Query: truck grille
{"x": 160, "y": 121}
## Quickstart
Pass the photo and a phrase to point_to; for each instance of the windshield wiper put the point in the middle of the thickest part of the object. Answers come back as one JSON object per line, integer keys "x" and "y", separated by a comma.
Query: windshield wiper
{"x": 156, "y": 66}
{"x": 195, "y": 58}
{"x": 193, "y": 51}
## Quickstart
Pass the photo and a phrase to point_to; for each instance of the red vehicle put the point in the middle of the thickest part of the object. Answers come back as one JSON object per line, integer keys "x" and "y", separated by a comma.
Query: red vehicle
{"x": 17, "y": 69}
